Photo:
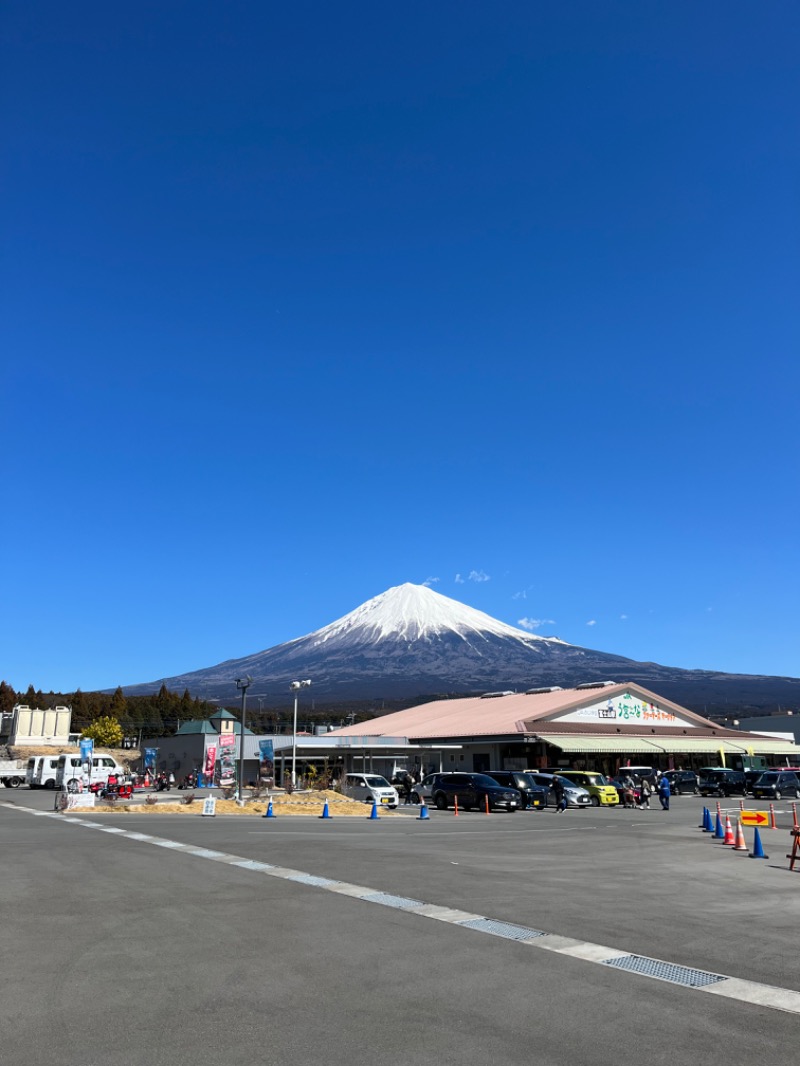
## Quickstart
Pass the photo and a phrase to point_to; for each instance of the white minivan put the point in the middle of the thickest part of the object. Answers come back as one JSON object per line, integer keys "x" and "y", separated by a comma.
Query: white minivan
{"x": 370, "y": 788}
{"x": 42, "y": 771}
{"x": 70, "y": 771}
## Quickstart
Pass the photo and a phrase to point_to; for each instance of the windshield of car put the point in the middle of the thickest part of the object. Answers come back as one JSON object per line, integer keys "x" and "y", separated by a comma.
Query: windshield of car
{"x": 595, "y": 779}
{"x": 376, "y": 782}
{"x": 484, "y": 781}
{"x": 524, "y": 781}
{"x": 767, "y": 779}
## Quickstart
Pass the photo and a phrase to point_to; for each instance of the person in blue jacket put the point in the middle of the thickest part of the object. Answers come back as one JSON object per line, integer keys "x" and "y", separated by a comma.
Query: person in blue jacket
{"x": 663, "y": 792}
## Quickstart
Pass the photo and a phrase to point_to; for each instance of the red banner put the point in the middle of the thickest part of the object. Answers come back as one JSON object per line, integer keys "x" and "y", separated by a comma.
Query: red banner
{"x": 211, "y": 759}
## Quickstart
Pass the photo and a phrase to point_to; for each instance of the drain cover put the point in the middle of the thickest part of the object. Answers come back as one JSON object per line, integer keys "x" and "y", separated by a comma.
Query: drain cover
{"x": 401, "y": 902}
{"x": 310, "y": 879}
{"x": 510, "y": 932}
{"x": 664, "y": 971}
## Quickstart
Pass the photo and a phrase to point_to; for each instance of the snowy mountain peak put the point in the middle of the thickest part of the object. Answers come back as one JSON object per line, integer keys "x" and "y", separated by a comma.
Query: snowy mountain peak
{"x": 415, "y": 612}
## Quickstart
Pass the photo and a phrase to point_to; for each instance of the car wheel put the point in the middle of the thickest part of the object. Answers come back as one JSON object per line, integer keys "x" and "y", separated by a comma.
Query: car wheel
{"x": 441, "y": 802}
{"x": 778, "y": 794}
{"x": 415, "y": 797}
{"x": 595, "y": 801}
{"x": 72, "y": 785}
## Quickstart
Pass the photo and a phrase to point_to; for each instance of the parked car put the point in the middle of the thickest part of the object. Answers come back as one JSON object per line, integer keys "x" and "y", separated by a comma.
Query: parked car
{"x": 473, "y": 790}
{"x": 773, "y": 784}
{"x": 601, "y": 791}
{"x": 719, "y": 781}
{"x": 750, "y": 778}
{"x": 682, "y": 782}
{"x": 534, "y": 797}
{"x": 576, "y": 796}
{"x": 639, "y": 773}
{"x": 371, "y": 788}
{"x": 423, "y": 790}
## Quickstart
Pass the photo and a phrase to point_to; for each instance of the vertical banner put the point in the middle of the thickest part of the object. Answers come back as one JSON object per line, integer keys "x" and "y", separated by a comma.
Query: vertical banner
{"x": 225, "y": 760}
{"x": 150, "y": 756}
{"x": 210, "y": 763}
{"x": 87, "y": 749}
{"x": 266, "y": 768}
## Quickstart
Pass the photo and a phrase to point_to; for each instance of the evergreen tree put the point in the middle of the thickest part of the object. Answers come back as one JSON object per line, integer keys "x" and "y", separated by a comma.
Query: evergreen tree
{"x": 8, "y": 697}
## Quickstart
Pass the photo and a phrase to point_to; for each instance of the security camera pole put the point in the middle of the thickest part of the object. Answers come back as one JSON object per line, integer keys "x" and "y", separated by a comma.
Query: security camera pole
{"x": 243, "y": 684}
{"x": 295, "y": 687}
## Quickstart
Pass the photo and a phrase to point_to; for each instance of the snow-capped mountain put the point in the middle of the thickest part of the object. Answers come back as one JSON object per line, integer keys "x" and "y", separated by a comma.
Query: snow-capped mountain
{"x": 412, "y": 641}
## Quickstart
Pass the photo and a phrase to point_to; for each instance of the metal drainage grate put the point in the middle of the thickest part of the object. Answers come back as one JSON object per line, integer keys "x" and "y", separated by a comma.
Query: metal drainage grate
{"x": 251, "y": 864}
{"x": 310, "y": 879}
{"x": 510, "y": 932}
{"x": 387, "y": 900}
{"x": 664, "y": 971}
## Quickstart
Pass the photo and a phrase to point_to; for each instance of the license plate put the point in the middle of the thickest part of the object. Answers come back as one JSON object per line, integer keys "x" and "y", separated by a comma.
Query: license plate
{"x": 384, "y": 799}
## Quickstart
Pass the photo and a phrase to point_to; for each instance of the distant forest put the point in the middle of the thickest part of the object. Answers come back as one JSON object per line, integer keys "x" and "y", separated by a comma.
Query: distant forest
{"x": 162, "y": 713}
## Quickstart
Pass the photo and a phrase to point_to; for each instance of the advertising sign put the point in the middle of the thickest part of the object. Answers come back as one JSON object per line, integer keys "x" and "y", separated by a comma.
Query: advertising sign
{"x": 87, "y": 749}
{"x": 210, "y": 763}
{"x": 625, "y": 709}
{"x": 150, "y": 756}
{"x": 266, "y": 769}
{"x": 210, "y": 807}
{"x": 225, "y": 759}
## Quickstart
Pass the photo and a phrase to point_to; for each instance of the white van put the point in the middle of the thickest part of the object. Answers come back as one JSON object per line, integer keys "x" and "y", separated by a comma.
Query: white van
{"x": 69, "y": 774}
{"x": 370, "y": 788}
{"x": 42, "y": 771}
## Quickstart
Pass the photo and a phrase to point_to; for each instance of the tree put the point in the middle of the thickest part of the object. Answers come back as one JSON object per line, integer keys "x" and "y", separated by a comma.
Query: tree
{"x": 106, "y": 732}
{"x": 8, "y": 697}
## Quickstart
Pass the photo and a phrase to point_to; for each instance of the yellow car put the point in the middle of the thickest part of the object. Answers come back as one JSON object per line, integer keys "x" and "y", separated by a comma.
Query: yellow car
{"x": 603, "y": 794}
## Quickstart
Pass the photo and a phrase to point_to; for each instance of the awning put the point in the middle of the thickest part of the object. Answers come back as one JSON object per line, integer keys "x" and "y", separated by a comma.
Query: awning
{"x": 619, "y": 744}
{"x": 670, "y": 745}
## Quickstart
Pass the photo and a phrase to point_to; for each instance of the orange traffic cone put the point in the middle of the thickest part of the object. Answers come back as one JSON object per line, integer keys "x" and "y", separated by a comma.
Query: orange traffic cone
{"x": 455, "y": 801}
{"x": 740, "y": 844}
{"x": 728, "y": 838}
{"x": 772, "y": 822}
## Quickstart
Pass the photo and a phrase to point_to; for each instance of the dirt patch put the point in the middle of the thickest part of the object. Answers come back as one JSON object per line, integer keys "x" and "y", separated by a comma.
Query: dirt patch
{"x": 297, "y": 804}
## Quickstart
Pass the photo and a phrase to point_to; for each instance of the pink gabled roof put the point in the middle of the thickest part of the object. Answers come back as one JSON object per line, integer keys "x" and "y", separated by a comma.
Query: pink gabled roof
{"x": 518, "y": 713}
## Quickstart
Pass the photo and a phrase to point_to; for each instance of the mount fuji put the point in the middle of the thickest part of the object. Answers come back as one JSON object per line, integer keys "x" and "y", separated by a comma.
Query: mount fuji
{"x": 413, "y": 642}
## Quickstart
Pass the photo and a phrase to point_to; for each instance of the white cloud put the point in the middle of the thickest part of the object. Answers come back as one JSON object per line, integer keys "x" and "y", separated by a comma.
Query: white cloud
{"x": 535, "y": 623}
{"x": 623, "y": 617}
{"x": 430, "y": 581}
{"x": 478, "y": 575}
{"x": 592, "y": 622}
{"x": 520, "y": 595}
{"x": 459, "y": 579}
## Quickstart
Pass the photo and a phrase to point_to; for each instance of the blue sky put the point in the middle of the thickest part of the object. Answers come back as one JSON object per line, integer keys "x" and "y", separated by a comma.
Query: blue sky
{"x": 304, "y": 301}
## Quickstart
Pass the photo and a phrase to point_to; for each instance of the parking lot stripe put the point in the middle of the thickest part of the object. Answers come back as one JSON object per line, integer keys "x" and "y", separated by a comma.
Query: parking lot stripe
{"x": 771, "y": 997}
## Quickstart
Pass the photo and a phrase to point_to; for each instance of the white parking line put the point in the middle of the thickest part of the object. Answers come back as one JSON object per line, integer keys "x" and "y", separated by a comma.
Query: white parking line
{"x": 771, "y": 997}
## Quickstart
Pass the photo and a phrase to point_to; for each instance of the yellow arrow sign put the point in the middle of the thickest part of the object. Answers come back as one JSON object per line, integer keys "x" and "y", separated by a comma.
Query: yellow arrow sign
{"x": 754, "y": 817}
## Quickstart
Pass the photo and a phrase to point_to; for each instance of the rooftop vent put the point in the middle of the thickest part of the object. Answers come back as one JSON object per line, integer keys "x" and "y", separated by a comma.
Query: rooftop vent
{"x": 549, "y": 688}
{"x": 495, "y": 695}
{"x": 596, "y": 684}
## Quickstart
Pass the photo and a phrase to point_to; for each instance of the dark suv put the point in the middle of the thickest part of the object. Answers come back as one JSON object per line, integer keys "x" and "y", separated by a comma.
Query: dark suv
{"x": 473, "y": 790}
{"x": 717, "y": 781}
{"x": 776, "y": 783}
{"x": 533, "y": 796}
{"x": 682, "y": 782}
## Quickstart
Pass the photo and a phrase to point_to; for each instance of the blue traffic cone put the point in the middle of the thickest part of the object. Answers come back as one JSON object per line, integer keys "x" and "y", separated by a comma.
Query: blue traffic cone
{"x": 423, "y": 813}
{"x": 703, "y": 820}
{"x": 325, "y": 812}
{"x": 269, "y": 813}
{"x": 707, "y": 826}
{"x": 373, "y": 817}
{"x": 719, "y": 832}
{"x": 758, "y": 849}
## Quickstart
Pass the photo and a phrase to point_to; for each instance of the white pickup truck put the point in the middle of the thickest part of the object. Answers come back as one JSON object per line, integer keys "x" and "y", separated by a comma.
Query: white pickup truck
{"x": 12, "y": 772}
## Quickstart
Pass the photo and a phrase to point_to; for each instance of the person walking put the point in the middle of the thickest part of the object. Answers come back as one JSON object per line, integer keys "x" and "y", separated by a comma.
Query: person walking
{"x": 663, "y": 792}
{"x": 408, "y": 786}
{"x": 644, "y": 792}
{"x": 560, "y": 794}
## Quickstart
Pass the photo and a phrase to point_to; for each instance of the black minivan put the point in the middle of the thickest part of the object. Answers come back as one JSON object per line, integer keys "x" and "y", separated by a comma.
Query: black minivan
{"x": 473, "y": 790}
{"x": 534, "y": 797}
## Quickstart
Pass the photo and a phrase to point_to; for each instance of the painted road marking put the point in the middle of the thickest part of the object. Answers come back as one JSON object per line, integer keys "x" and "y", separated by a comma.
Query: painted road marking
{"x": 771, "y": 997}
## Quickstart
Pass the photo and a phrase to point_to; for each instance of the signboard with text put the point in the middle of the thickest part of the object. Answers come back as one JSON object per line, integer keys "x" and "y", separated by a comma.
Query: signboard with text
{"x": 625, "y": 710}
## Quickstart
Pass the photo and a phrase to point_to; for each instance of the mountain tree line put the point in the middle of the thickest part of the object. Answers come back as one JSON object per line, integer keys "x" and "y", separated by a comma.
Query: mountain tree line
{"x": 162, "y": 713}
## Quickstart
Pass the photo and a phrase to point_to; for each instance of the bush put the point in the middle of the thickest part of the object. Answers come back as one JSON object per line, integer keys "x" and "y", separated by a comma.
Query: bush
{"x": 105, "y": 732}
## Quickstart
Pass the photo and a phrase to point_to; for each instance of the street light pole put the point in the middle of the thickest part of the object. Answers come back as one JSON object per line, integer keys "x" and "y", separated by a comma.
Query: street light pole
{"x": 295, "y": 687}
{"x": 243, "y": 684}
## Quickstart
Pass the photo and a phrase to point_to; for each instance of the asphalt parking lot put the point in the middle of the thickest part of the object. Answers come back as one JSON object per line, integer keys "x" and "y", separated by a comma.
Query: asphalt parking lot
{"x": 168, "y": 952}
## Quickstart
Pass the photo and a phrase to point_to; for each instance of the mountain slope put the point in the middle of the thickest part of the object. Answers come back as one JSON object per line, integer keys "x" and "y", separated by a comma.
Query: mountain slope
{"x": 411, "y": 641}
